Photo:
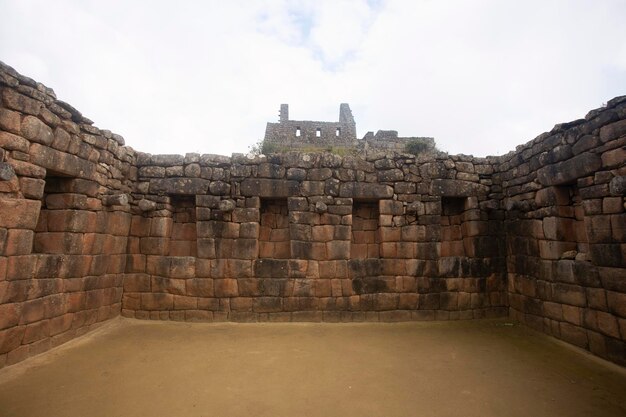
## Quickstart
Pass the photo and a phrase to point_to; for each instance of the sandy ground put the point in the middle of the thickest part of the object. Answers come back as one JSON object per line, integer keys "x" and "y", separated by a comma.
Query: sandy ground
{"x": 480, "y": 368}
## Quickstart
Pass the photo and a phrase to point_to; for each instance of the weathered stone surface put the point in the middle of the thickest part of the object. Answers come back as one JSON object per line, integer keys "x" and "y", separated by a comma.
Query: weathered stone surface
{"x": 62, "y": 162}
{"x": 457, "y": 188}
{"x": 269, "y": 188}
{"x": 12, "y": 142}
{"x": 10, "y": 120}
{"x": 36, "y": 130}
{"x": 6, "y": 171}
{"x": 617, "y": 186}
{"x": 184, "y": 186}
{"x": 570, "y": 170}
{"x": 365, "y": 191}
{"x": 17, "y": 213}
{"x": 613, "y": 131}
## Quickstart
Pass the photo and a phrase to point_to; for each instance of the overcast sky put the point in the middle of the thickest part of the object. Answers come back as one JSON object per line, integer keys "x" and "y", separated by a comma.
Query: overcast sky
{"x": 481, "y": 76}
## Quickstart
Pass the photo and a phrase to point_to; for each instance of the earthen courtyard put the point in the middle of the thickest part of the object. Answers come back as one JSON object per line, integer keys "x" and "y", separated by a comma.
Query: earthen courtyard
{"x": 474, "y": 368}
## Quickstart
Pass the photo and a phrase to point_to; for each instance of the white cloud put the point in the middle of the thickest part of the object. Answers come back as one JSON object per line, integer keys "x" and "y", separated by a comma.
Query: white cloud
{"x": 481, "y": 76}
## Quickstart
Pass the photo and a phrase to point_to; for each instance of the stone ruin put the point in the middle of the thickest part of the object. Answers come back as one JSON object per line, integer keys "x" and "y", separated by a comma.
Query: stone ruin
{"x": 306, "y": 135}
{"x": 91, "y": 229}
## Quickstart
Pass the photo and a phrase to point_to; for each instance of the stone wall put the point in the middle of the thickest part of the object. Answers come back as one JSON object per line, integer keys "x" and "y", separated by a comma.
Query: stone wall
{"x": 63, "y": 239}
{"x": 388, "y": 140}
{"x": 316, "y": 237}
{"x": 90, "y": 229}
{"x": 566, "y": 231}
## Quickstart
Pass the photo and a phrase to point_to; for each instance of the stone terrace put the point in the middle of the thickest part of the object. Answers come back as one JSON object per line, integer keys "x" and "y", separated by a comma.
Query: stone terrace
{"x": 90, "y": 229}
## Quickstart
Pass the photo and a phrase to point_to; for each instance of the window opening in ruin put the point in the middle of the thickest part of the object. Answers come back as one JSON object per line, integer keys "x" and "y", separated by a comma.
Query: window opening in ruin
{"x": 567, "y": 222}
{"x": 54, "y": 215}
{"x": 318, "y": 132}
{"x": 183, "y": 241}
{"x": 297, "y": 132}
{"x": 452, "y": 209}
{"x": 338, "y": 131}
{"x": 365, "y": 234}
{"x": 274, "y": 241}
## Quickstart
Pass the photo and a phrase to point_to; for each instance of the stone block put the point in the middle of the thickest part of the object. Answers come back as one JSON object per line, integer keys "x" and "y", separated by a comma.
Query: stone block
{"x": 182, "y": 267}
{"x": 360, "y": 190}
{"x": 18, "y": 213}
{"x": 549, "y": 249}
{"x": 156, "y": 246}
{"x": 10, "y": 339}
{"x": 617, "y": 303}
{"x": 617, "y": 186}
{"x": 552, "y": 196}
{"x": 569, "y": 294}
{"x": 180, "y": 186}
{"x": 18, "y": 242}
{"x": 35, "y": 130}
{"x": 157, "y": 301}
{"x": 613, "y": 131}
{"x": 62, "y": 162}
{"x": 607, "y": 255}
{"x": 570, "y": 170}
{"x": 16, "y": 101}
{"x": 457, "y": 188}
{"x": 11, "y": 142}
{"x": 10, "y": 121}
{"x": 269, "y": 188}
{"x": 71, "y": 221}
{"x": 226, "y": 287}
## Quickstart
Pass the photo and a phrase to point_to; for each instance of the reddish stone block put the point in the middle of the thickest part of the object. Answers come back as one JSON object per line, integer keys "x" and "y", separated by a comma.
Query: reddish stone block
{"x": 226, "y": 287}
{"x": 212, "y": 304}
{"x": 617, "y": 303}
{"x": 249, "y": 287}
{"x": 20, "y": 214}
{"x": 9, "y": 315}
{"x": 267, "y": 304}
{"x": 599, "y": 229}
{"x": 241, "y": 249}
{"x": 155, "y": 246}
{"x": 307, "y": 316}
{"x": 36, "y": 331}
{"x": 32, "y": 311}
{"x": 161, "y": 226}
{"x": 16, "y": 101}
{"x": 19, "y": 242}
{"x": 321, "y": 288}
{"x": 408, "y": 301}
{"x": 182, "y": 267}
{"x": 168, "y": 285}
{"x": 137, "y": 282}
{"x": 549, "y": 249}
{"x": 614, "y": 158}
{"x": 11, "y": 338}
{"x": 198, "y": 315}
{"x": 11, "y": 122}
{"x": 573, "y": 334}
{"x": 386, "y": 301}
{"x": 32, "y": 187}
{"x": 131, "y": 302}
{"x": 338, "y": 249}
{"x": 182, "y": 302}
{"x": 157, "y": 301}
{"x": 618, "y": 227}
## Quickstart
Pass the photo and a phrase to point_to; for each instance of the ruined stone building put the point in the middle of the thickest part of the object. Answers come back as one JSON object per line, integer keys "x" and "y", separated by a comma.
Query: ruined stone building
{"x": 306, "y": 135}
{"x": 91, "y": 229}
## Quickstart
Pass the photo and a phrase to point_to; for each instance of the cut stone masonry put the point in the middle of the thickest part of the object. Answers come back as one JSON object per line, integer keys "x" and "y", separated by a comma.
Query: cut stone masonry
{"x": 91, "y": 229}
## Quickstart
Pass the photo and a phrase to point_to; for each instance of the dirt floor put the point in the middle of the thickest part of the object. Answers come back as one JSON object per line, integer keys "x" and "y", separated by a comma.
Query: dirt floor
{"x": 478, "y": 368}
